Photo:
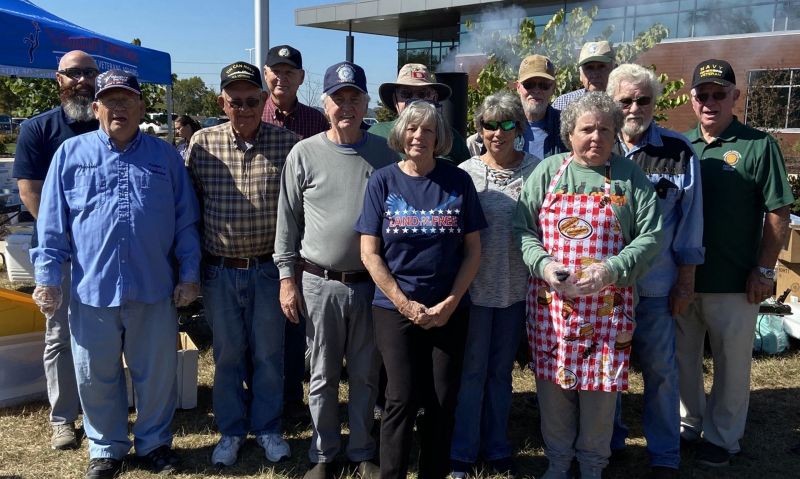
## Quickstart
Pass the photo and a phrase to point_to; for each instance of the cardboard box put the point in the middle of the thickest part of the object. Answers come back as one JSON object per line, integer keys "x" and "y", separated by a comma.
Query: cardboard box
{"x": 186, "y": 374}
{"x": 21, "y": 369}
{"x": 791, "y": 250}
{"x": 788, "y": 277}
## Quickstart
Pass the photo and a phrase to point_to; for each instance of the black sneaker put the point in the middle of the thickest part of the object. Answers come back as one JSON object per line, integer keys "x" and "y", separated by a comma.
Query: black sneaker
{"x": 711, "y": 455}
{"x": 162, "y": 460}
{"x": 103, "y": 468}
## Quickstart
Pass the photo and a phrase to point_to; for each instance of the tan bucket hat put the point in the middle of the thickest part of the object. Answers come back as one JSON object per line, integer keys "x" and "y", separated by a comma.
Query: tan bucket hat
{"x": 412, "y": 74}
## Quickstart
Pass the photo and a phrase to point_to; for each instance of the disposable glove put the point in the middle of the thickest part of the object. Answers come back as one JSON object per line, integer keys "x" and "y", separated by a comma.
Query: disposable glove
{"x": 48, "y": 298}
{"x": 593, "y": 278}
{"x": 185, "y": 293}
{"x": 560, "y": 278}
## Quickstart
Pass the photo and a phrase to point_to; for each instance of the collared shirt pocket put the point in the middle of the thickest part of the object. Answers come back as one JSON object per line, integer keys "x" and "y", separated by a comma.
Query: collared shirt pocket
{"x": 86, "y": 193}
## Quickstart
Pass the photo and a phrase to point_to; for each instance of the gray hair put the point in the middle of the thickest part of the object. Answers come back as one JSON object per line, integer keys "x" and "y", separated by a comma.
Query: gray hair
{"x": 418, "y": 113}
{"x": 501, "y": 105}
{"x": 591, "y": 102}
{"x": 635, "y": 74}
{"x": 325, "y": 95}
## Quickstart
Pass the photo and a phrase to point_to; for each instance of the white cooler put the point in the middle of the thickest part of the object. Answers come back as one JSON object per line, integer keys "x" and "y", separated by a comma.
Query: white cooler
{"x": 18, "y": 260}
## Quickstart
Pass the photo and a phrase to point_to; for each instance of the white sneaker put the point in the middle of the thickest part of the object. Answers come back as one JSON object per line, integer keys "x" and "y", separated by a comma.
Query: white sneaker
{"x": 274, "y": 446}
{"x": 227, "y": 450}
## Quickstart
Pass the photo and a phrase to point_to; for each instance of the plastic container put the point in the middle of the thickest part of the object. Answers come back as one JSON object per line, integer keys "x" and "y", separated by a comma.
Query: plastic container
{"x": 18, "y": 261}
{"x": 19, "y": 314}
{"x": 21, "y": 369}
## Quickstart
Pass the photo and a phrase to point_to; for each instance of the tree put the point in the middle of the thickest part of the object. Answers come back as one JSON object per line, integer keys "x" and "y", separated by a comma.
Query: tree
{"x": 29, "y": 96}
{"x": 310, "y": 91}
{"x": 384, "y": 114}
{"x": 559, "y": 40}
{"x": 189, "y": 96}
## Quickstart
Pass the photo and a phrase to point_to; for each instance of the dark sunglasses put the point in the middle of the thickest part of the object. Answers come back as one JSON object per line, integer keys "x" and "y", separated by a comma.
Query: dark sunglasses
{"x": 505, "y": 125}
{"x": 240, "y": 104}
{"x": 717, "y": 96}
{"x": 77, "y": 73}
{"x": 641, "y": 101}
{"x": 541, "y": 85}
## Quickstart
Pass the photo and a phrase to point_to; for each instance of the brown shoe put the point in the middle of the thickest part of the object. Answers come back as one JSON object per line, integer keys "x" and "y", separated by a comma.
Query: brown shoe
{"x": 64, "y": 436}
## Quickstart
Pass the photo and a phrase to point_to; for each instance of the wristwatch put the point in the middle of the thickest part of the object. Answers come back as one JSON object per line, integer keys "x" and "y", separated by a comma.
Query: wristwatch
{"x": 767, "y": 273}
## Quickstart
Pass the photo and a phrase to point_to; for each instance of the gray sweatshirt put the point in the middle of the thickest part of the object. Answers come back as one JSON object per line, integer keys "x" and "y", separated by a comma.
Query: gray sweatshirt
{"x": 322, "y": 193}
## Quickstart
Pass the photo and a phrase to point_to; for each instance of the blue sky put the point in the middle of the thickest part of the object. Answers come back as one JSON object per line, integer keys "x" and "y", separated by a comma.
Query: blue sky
{"x": 202, "y": 36}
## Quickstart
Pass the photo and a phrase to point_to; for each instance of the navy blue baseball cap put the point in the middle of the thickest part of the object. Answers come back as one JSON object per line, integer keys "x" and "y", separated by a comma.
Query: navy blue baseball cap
{"x": 344, "y": 74}
{"x": 116, "y": 79}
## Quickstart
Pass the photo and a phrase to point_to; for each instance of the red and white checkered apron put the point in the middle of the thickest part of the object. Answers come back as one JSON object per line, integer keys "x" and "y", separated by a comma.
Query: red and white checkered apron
{"x": 574, "y": 341}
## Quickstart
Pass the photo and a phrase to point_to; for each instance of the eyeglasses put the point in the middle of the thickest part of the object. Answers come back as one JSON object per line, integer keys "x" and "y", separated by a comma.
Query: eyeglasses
{"x": 505, "y": 125}
{"x": 718, "y": 95}
{"x": 118, "y": 103}
{"x": 541, "y": 85}
{"x": 405, "y": 94}
{"x": 78, "y": 73}
{"x": 238, "y": 104}
{"x": 641, "y": 101}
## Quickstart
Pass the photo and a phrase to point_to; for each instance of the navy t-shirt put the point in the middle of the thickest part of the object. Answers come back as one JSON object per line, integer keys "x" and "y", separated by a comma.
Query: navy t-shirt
{"x": 421, "y": 221}
{"x": 40, "y": 137}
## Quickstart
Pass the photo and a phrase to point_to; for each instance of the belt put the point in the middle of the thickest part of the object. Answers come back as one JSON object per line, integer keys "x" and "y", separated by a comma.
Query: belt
{"x": 345, "y": 277}
{"x": 238, "y": 263}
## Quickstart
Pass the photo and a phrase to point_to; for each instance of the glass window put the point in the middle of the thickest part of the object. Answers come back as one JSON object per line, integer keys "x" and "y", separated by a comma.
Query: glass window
{"x": 788, "y": 16}
{"x": 643, "y": 23}
{"x": 685, "y": 25}
{"x": 687, "y": 5}
{"x": 772, "y": 99}
{"x": 657, "y": 7}
{"x": 793, "y": 120}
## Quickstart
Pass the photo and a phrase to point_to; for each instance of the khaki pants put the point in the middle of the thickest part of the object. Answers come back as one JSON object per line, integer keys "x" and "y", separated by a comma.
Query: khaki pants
{"x": 730, "y": 322}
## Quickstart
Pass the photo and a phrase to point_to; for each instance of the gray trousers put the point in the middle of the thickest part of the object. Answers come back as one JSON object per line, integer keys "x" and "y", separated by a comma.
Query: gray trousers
{"x": 339, "y": 327}
{"x": 576, "y": 424}
{"x": 62, "y": 389}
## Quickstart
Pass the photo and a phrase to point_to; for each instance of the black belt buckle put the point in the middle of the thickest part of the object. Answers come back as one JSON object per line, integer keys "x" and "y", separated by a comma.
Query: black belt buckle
{"x": 347, "y": 275}
{"x": 246, "y": 263}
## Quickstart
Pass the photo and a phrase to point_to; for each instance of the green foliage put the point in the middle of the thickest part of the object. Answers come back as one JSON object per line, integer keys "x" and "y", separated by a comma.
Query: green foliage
{"x": 560, "y": 40}
{"x": 383, "y": 114}
{"x": 669, "y": 99}
{"x": 794, "y": 182}
{"x": 30, "y": 96}
{"x": 191, "y": 96}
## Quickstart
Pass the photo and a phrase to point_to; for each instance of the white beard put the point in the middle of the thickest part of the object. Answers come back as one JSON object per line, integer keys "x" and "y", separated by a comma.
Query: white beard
{"x": 78, "y": 108}
{"x": 631, "y": 129}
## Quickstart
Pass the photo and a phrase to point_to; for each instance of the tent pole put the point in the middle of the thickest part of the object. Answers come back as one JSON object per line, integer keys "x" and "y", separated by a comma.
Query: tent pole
{"x": 170, "y": 123}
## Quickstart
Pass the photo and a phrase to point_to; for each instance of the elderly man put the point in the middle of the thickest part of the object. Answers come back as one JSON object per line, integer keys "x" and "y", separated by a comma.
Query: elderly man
{"x": 595, "y": 63}
{"x": 236, "y": 168}
{"x": 414, "y": 83}
{"x": 283, "y": 73}
{"x": 535, "y": 85}
{"x": 38, "y": 139}
{"x": 322, "y": 192}
{"x": 665, "y": 291}
{"x": 746, "y": 199}
{"x": 120, "y": 206}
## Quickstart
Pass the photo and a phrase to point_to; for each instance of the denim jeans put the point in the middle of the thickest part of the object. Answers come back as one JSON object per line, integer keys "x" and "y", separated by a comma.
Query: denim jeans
{"x": 654, "y": 345}
{"x": 242, "y": 308}
{"x": 484, "y": 401}
{"x": 146, "y": 334}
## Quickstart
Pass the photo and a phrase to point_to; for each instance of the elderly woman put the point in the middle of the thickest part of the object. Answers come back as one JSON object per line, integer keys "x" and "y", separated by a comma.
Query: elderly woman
{"x": 185, "y": 127}
{"x": 588, "y": 223}
{"x": 497, "y": 314}
{"x": 420, "y": 242}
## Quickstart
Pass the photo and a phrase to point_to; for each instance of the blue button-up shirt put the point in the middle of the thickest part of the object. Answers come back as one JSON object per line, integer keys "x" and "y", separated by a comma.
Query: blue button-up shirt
{"x": 668, "y": 159}
{"x": 127, "y": 220}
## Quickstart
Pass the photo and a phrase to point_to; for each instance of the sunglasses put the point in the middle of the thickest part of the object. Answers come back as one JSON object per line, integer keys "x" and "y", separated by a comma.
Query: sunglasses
{"x": 717, "y": 96}
{"x": 405, "y": 94}
{"x": 641, "y": 101}
{"x": 541, "y": 85}
{"x": 78, "y": 73}
{"x": 238, "y": 104}
{"x": 505, "y": 125}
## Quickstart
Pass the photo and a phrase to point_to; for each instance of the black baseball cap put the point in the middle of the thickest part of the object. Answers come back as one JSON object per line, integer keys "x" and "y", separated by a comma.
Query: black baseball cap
{"x": 714, "y": 71}
{"x": 116, "y": 79}
{"x": 240, "y": 71}
{"x": 344, "y": 74}
{"x": 284, "y": 54}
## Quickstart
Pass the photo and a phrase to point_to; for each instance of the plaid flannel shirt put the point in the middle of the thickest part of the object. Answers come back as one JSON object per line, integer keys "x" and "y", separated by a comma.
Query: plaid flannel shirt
{"x": 303, "y": 120}
{"x": 238, "y": 189}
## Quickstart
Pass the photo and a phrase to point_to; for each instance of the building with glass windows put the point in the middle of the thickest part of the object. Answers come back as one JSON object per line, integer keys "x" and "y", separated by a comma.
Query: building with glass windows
{"x": 760, "y": 38}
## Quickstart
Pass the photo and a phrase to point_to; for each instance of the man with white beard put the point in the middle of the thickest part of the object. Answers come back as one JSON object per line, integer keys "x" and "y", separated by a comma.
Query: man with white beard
{"x": 667, "y": 158}
{"x": 39, "y": 138}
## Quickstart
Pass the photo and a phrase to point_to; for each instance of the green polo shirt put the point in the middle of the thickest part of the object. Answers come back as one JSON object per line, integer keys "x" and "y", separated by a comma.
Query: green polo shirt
{"x": 458, "y": 152}
{"x": 744, "y": 176}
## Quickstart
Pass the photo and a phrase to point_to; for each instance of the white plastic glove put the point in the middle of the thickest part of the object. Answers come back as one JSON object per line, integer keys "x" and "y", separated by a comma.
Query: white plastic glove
{"x": 48, "y": 298}
{"x": 560, "y": 278}
{"x": 594, "y": 278}
{"x": 185, "y": 293}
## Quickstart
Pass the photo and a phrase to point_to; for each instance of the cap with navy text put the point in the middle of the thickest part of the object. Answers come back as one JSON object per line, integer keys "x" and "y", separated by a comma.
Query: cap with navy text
{"x": 240, "y": 71}
{"x": 714, "y": 71}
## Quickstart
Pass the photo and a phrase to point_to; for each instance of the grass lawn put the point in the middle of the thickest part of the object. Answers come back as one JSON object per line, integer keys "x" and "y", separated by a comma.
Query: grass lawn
{"x": 772, "y": 431}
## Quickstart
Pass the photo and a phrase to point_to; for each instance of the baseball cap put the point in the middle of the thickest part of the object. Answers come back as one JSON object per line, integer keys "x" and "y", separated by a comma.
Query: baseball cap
{"x": 344, "y": 74}
{"x": 412, "y": 74}
{"x": 714, "y": 71}
{"x": 116, "y": 79}
{"x": 536, "y": 66}
{"x": 596, "y": 52}
{"x": 240, "y": 71}
{"x": 284, "y": 54}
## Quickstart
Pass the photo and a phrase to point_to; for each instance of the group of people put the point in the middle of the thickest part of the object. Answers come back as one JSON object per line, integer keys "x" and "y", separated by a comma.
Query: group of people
{"x": 414, "y": 257}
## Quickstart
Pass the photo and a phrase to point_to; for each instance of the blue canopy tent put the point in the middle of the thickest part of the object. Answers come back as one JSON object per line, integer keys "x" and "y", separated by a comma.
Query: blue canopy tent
{"x": 32, "y": 41}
